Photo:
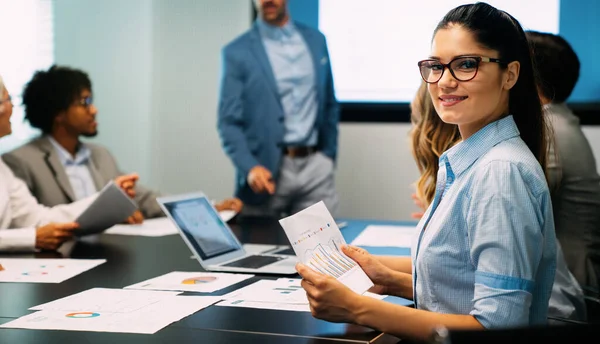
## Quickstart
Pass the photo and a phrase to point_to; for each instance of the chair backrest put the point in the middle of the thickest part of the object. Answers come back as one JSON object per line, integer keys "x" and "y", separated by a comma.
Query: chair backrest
{"x": 568, "y": 333}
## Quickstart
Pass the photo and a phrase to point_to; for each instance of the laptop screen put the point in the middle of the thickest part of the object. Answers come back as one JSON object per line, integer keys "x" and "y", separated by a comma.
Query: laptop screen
{"x": 203, "y": 227}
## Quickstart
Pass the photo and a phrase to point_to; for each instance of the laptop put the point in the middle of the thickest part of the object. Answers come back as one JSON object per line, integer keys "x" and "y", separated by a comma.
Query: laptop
{"x": 213, "y": 243}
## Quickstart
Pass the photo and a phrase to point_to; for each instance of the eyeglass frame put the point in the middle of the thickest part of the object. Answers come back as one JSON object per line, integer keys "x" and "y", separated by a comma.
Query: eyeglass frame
{"x": 445, "y": 66}
{"x": 7, "y": 100}
{"x": 86, "y": 101}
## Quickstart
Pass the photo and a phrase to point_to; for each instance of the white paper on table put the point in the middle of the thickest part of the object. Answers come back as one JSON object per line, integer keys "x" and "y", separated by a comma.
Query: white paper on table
{"x": 152, "y": 227}
{"x": 295, "y": 307}
{"x": 227, "y": 215}
{"x": 316, "y": 240}
{"x": 44, "y": 270}
{"x": 249, "y": 298}
{"x": 146, "y": 320}
{"x": 203, "y": 282}
{"x": 269, "y": 291}
{"x": 389, "y": 236}
{"x": 107, "y": 300}
{"x": 158, "y": 227}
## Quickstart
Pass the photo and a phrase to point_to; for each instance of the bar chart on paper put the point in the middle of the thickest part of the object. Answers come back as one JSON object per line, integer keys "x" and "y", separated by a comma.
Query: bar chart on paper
{"x": 327, "y": 259}
{"x": 317, "y": 242}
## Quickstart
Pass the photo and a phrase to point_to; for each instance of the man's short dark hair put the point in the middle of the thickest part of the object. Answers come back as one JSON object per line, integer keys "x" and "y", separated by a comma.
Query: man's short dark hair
{"x": 50, "y": 92}
{"x": 557, "y": 65}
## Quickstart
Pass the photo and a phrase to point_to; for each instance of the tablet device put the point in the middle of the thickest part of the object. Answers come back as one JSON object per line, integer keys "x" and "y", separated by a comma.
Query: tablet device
{"x": 112, "y": 206}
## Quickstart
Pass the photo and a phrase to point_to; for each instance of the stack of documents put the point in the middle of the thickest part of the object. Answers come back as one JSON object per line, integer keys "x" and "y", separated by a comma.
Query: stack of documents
{"x": 27, "y": 270}
{"x": 282, "y": 294}
{"x": 113, "y": 310}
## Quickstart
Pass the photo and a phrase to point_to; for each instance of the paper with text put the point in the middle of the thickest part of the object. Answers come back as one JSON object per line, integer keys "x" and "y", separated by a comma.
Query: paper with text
{"x": 31, "y": 270}
{"x": 106, "y": 300}
{"x": 317, "y": 240}
{"x": 202, "y": 282}
{"x": 284, "y": 294}
{"x": 146, "y": 320}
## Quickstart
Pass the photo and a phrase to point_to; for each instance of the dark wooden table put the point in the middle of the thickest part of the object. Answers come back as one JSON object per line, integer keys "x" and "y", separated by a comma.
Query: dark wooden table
{"x": 134, "y": 259}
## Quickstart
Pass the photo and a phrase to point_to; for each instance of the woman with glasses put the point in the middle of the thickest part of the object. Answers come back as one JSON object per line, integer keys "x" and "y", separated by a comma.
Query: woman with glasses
{"x": 485, "y": 253}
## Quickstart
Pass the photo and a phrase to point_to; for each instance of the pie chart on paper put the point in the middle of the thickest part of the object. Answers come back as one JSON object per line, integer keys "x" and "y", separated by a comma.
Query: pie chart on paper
{"x": 199, "y": 280}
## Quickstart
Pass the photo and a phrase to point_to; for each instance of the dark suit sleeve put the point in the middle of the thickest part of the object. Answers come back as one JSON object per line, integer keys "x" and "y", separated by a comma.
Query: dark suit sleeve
{"x": 144, "y": 197}
{"x": 19, "y": 169}
{"x": 230, "y": 117}
{"x": 332, "y": 114}
{"x": 146, "y": 200}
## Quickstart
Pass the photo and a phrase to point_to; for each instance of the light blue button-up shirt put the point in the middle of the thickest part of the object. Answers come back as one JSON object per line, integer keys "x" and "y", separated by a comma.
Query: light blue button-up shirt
{"x": 77, "y": 169}
{"x": 486, "y": 245}
{"x": 294, "y": 73}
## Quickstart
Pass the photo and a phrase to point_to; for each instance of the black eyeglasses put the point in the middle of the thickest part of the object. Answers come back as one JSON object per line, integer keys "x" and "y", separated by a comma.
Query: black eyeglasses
{"x": 87, "y": 101}
{"x": 462, "y": 68}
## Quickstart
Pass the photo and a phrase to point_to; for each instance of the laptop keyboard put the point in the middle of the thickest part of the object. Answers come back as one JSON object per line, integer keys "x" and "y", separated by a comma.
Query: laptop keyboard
{"x": 253, "y": 262}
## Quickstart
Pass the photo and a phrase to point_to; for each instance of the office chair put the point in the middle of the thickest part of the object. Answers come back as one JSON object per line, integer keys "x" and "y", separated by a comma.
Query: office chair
{"x": 568, "y": 333}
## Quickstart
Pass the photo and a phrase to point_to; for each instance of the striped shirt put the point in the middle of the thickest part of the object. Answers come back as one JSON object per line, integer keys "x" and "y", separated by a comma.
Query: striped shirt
{"x": 486, "y": 245}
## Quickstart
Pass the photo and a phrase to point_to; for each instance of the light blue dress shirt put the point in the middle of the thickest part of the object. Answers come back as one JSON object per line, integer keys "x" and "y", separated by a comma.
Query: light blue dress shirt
{"x": 486, "y": 245}
{"x": 294, "y": 73}
{"x": 77, "y": 169}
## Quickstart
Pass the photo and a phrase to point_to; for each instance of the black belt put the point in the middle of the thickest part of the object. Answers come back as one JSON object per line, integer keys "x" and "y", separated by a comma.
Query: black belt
{"x": 299, "y": 152}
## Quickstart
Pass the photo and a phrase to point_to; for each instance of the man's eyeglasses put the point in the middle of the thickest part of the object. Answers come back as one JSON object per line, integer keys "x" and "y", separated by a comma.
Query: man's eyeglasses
{"x": 462, "y": 68}
{"x": 87, "y": 101}
{"x": 7, "y": 100}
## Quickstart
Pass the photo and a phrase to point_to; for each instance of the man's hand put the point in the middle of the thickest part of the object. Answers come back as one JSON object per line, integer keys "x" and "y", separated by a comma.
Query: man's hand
{"x": 234, "y": 204}
{"x": 127, "y": 183}
{"x": 136, "y": 218}
{"x": 261, "y": 180}
{"x": 52, "y": 235}
{"x": 1, "y": 267}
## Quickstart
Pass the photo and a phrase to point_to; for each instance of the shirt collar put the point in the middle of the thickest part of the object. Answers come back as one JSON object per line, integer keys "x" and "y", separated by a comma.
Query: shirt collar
{"x": 81, "y": 157}
{"x": 464, "y": 154}
{"x": 275, "y": 32}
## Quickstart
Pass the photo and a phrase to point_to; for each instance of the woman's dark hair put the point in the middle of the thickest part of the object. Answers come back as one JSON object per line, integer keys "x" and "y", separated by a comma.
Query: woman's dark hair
{"x": 557, "y": 65}
{"x": 50, "y": 92}
{"x": 498, "y": 30}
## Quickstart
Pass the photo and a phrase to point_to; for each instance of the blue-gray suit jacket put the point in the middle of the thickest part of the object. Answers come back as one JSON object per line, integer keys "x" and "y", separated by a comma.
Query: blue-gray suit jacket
{"x": 251, "y": 116}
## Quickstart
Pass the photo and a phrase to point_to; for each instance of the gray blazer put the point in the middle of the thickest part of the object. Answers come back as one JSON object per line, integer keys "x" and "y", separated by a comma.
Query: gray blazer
{"x": 37, "y": 164}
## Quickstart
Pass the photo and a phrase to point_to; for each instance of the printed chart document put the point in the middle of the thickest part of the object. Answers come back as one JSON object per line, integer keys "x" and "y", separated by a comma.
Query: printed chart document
{"x": 112, "y": 206}
{"x": 106, "y": 300}
{"x": 281, "y": 290}
{"x": 152, "y": 228}
{"x": 27, "y": 270}
{"x": 388, "y": 236}
{"x": 148, "y": 319}
{"x": 203, "y": 282}
{"x": 316, "y": 240}
{"x": 284, "y": 294}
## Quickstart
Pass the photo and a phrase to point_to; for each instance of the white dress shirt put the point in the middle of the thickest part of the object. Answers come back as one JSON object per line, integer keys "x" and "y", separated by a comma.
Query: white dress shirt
{"x": 21, "y": 214}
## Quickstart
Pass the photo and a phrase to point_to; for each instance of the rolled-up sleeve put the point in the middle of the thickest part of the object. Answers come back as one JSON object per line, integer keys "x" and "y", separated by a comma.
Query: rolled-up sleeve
{"x": 506, "y": 238}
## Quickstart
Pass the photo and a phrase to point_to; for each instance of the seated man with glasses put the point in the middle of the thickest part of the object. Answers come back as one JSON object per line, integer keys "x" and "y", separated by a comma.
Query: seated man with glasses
{"x": 58, "y": 167}
{"x": 25, "y": 224}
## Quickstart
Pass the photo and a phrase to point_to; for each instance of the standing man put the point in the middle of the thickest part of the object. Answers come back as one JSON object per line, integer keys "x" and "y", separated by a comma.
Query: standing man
{"x": 278, "y": 116}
